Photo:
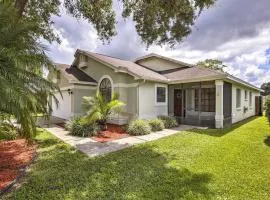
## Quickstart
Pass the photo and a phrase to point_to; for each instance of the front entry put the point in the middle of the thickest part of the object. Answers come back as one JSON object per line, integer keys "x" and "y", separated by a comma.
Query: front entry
{"x": 179, "y": 102}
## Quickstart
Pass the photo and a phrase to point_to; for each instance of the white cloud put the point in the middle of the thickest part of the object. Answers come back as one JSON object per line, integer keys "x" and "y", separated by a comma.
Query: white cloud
{"x": 236, "y": 34}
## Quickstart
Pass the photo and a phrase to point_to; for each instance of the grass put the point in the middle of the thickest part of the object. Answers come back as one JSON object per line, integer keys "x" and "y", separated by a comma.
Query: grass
{"x": 197, "y": 164}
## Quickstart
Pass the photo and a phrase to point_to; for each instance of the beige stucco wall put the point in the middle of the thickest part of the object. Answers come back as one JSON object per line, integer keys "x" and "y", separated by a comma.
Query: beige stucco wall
{"x": 122, "y": 83}
{"x": 158, "y": 64}
{"x": 96, "y": 70}
{"x": 238, "y": 113}
{"x": 148, "y": 108}
{"x": 77, "y": 99}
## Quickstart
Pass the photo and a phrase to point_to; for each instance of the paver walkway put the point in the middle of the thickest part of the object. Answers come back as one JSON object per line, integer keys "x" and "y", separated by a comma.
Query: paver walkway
{"x": 93, "y": 148}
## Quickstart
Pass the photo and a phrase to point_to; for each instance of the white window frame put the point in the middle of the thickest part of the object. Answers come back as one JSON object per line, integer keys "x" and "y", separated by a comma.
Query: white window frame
{"x": 246, "y": 95}
{"x": 103, "y": 77}
{"x": 238, "y": 107}
{"x": 166, "y": 94}
{"x": 250, "y": 99}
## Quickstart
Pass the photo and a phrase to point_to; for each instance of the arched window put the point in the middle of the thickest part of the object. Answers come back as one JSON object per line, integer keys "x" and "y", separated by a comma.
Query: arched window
{"x": 105, "y": 88}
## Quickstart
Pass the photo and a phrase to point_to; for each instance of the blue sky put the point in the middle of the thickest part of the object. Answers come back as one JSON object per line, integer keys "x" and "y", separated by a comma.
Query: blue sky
{"x": 234, "y": 31}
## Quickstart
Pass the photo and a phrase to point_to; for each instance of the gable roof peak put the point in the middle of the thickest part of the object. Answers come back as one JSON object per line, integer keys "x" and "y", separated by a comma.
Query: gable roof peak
{"x": 151, "y": 55}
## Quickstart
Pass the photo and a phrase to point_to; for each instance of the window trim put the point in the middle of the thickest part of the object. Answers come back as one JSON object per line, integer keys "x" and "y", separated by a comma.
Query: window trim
{"x": 112, "y": 85}
{"x": 246, "y": 95}
{"x": 166, "y": 94}
{"x": 238, "y": 107}
{"x": 250, "y": 99}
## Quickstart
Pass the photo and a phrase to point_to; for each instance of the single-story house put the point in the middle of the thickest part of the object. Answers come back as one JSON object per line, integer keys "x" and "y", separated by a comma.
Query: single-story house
{"x": 155, "y": 85}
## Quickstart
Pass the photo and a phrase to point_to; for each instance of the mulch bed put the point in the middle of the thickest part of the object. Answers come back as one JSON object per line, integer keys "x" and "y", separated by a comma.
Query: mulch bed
{"x": 15, "y": 156}
{"x": 113, "y": 132}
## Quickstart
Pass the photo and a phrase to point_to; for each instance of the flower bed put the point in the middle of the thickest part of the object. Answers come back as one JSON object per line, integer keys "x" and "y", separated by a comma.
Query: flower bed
{"x": 113, "y": 132}
{"x": 15, "y": 155}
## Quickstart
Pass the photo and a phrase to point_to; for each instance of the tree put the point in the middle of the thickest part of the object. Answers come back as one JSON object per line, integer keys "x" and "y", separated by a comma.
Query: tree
{"x": 266, "y": 88}
{"x": 157, "y": 22}
{"x": 24, "y": 91}
{"x": 99, "y": 110}
{"x": 212, "y": 64}
{"x": 267, "y": 108}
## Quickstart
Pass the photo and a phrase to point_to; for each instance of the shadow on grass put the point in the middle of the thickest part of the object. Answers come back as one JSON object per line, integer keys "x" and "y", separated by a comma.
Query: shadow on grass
{"x": 139, "y": 172}
{"x": 224, "y": 131}
{"x": 267, "y": 141}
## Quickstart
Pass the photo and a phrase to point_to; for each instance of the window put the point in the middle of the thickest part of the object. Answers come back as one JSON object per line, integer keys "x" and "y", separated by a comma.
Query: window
{"x": 246, "y": 95}
{"x": 105, "y": 88}
{"x": 250, "y": 99}
{"x": 238, "y": 98}
{"x": 208, "y": 99}
{"x": 160, "y": 94}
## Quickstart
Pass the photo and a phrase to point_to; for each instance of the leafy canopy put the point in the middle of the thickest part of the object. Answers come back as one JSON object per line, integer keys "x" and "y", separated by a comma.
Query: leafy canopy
{"x": 212, "y": 64}
{"x": 267, "y": 107}
{"x": 157, "y": 22}
{"x": 24, "y": 91}
{"x": 266, "y": 88}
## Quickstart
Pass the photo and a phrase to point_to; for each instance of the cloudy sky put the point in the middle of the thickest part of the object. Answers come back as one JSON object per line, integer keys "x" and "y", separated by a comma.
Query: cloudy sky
{"x": 234, "y": 31}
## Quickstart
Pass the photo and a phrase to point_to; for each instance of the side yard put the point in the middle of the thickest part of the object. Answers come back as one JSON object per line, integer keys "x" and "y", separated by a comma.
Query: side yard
{"x": 196, "y": 164}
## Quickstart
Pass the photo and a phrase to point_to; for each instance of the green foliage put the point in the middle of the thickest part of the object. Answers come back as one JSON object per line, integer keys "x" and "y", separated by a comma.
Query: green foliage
{"x": 139, "y": 127}
{"x": 156, "y": 125}
{"x": 267, "y": 107}
{"x": 169, "y": 121}
{"x": 266, "y": 88}
{"x": 189, "y": 165}
{"x": 24, "y": 91}
{"x": 212, "y": 64}
{"x": 8, "y": 131}
{"x": 79, "y": 127}
{"x": 99, "y": 110}
{"x": 156, "y": 22}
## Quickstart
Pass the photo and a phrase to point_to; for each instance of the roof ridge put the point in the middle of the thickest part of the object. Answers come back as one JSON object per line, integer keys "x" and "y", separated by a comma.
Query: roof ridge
{"x": 163, "y": 57}
{"x": 91, "y": 52}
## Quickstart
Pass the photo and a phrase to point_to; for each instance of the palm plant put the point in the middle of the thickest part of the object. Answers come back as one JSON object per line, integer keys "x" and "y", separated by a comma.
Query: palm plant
{"x": 24, "y": 91}
{"x": 99, "y": 110}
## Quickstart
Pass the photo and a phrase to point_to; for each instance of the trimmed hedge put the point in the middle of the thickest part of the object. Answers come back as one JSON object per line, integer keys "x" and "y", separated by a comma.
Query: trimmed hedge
{"x": 78, "y": 127}
{"x": 139, "y": 127}
{"x": 169, "y": 121}
{"x": 156, "y": 125}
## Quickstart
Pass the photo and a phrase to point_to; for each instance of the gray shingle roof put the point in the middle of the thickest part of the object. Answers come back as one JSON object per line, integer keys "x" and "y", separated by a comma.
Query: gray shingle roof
{"x": 72, "y": 73}
{"x": 193, "y": 73}
{"x": 127, "y": 66}
{"x": 189, "y": 73}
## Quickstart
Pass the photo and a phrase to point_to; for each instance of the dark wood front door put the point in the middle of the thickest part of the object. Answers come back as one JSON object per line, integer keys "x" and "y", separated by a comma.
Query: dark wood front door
{"x": 179, "y": 101}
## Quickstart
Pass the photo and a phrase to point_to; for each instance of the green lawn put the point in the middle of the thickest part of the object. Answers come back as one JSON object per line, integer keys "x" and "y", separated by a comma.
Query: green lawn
{"x": 206, "y": 164}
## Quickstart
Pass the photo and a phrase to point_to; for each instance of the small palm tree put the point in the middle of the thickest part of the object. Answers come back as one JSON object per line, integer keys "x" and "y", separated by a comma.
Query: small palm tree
{"x": 99, "y": 110}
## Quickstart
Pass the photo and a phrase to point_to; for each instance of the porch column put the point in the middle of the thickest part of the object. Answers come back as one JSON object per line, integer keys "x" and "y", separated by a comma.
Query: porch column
{"x": 219, "y": 104}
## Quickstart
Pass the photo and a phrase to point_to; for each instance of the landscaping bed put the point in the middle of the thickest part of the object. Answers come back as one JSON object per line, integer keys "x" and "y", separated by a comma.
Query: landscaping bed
{"x": 195, "y": 164}
{"x": 113, "y": 132}
{"x": 15, "y": 155}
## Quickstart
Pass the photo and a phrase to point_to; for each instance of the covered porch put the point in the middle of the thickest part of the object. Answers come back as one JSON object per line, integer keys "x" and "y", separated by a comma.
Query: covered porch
{"x": 206, "y": 104}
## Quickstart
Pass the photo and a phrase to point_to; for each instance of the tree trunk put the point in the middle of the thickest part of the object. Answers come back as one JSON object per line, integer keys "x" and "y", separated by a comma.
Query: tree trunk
{"x": 21, "y": 5}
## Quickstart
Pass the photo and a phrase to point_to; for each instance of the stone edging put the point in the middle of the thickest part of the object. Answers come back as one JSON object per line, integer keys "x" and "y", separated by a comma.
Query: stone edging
{"x": 22, "y": 172}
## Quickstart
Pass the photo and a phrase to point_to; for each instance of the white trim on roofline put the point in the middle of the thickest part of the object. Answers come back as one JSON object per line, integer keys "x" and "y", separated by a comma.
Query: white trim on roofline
{"x": 82, "y": 82}
{"x": 163, "y": 58}
{"x": 78, "y": 87}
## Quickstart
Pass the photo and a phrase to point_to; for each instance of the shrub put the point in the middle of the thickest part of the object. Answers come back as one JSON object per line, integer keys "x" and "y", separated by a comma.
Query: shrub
{"x": 169, "y": 121}
{"x": 139, "y": 127}
{"x": 156, "y": 125}
{"x": 267, "y": 107}
{"x": 78, "y": 127}
{"x": 8, "y": 131}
